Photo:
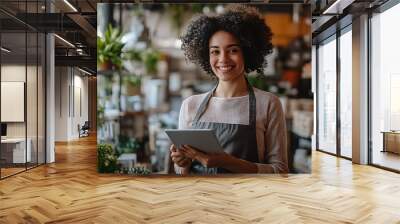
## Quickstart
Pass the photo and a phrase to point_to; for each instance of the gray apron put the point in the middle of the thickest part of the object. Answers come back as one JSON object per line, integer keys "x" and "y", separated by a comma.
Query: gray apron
{"x": 237, "y": 140}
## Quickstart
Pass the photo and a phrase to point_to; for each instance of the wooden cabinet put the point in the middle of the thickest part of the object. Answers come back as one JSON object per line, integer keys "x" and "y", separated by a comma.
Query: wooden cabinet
{"x": 391, "y": 142}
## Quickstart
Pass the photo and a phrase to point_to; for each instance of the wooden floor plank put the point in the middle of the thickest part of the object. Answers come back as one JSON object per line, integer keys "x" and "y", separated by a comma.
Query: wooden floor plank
{"x": 71, "y": 191}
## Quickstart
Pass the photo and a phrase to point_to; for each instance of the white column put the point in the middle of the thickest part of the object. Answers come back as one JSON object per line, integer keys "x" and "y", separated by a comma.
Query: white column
{"x": 314, "y": 91}
{"x": 360, "y": 90}
{"x": 50, "y": 101}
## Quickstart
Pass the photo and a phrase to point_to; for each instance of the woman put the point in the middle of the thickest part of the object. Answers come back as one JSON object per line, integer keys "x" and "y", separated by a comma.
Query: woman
{"x": 249, "y": 123}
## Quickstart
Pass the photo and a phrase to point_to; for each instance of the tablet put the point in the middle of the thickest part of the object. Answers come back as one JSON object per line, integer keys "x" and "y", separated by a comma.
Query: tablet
{"x": 201, "y": 139}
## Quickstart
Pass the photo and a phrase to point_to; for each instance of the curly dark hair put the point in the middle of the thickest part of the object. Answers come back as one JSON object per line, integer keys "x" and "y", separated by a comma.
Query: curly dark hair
{"x": 243, "y": 22}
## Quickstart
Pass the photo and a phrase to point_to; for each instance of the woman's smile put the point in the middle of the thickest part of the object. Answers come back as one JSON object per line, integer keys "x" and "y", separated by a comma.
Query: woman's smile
{"x": 225, "y": 68}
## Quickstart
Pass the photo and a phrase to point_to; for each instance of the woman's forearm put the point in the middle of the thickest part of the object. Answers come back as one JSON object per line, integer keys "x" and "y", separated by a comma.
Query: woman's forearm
{"x": 236, "y": 165}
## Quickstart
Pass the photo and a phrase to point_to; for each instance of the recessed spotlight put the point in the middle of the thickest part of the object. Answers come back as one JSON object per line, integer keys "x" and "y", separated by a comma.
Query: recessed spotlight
{"x": 84, "y": 71}
{"x": 70, "y": 5}
{"x": 64, "y": 40}
{"x": 5, "y": 49}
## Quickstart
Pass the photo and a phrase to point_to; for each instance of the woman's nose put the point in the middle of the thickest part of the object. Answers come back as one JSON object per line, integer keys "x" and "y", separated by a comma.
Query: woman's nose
{"x": 223, "y": 56}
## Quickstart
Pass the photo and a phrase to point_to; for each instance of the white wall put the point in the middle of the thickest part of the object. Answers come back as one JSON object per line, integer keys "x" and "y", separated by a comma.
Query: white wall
{"x": 61, "y": 103}
{"x": 14, "y": 73}
{"x": 33, "y": 127}
{"x": 71, "y": 87}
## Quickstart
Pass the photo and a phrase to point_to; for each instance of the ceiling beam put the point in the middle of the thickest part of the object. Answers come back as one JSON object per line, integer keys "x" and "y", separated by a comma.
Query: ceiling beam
{"x": 86, "y": 26}
{"x": 78, "y": 61}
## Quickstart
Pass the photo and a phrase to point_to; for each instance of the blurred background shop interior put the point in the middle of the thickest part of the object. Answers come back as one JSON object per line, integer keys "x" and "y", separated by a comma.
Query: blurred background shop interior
{"x": 140, "y": 86}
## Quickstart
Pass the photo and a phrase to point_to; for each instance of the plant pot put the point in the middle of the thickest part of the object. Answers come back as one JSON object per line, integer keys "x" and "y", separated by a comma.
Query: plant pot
{"x": 132, "y": 90}
{"x": 107, "y": 65}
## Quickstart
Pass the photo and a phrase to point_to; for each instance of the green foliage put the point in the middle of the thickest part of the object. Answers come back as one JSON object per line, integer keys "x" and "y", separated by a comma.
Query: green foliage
{"x": 106, "y": 159}
{"x": 177, "y": 12}
{"x": 108, "y": 84}
{"x": 100, "y": 115}
{"x": 109, "y": 48}
{"x": 132, "y": 80}
{"x": 259, "y": 81}
{"x": 135, "y": 171}
{"x": 128, "y": 144}
{"x": 134, "y": 55}
{"x": 149, "y": 58}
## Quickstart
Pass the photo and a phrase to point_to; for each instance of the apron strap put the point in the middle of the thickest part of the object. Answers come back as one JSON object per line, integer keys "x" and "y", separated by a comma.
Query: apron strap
{"x": 204, "y": 104}
{"x": 252, "y": 105}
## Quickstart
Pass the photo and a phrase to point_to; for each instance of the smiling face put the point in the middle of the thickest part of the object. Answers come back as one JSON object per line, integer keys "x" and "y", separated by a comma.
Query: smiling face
{"x": 226, "y": 57}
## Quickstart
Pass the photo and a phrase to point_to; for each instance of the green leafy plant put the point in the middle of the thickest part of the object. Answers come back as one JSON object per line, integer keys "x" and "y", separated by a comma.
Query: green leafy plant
{"x": 106, "y": 159}
{"x": 259, "y": 81}
{"x": 132, "y": 80}
{"x": 108, "y": 84}
{"x": 135, "y": 171}
{"x": 100, "y": 115}
{"x": 132, "y": 84}
{"x": 177, "y": 12}
{"x": 109, "y": 48}
{"x": 149, "y": 58}
{"x": 128, "y": 144}
{"x": 133, "y": 54}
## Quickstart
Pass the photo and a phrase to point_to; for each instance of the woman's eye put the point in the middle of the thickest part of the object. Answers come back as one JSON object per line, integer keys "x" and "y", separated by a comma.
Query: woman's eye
{"x": 234, "y": 50}
{"x": 214, "y": 52}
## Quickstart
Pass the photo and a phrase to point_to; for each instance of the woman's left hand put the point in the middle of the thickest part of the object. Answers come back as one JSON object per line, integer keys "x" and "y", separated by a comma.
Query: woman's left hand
{"x": 208, "y": 160}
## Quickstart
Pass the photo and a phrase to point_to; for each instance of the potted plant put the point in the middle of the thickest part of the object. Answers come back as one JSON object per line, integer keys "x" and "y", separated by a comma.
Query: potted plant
{"x": 132, "y": 85}
{"x": 106, "y": 159}
{"x": 150, "y": 59}
{"x": 128, "y": 145}
{"x": 135, "y": 171}
{"x": 147, "y": 58}
{"x": 109, "y": 49}
{"x": 176, "y": 14}
{"x": 259, "y": 81}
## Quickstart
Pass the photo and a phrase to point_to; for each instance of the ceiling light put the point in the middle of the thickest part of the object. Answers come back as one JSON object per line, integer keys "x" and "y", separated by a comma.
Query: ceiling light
{"x": 65, "y": 41}
{"x": 337, "y": 7}
{"x": 5, "y": 49}
{"x": 70, "y": 5}
{"x": 84, "y": 71}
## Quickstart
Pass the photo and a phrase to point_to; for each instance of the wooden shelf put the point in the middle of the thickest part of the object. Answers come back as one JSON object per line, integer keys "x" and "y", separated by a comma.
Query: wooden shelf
{"x": 113, "y": 72}
{"x": 132, "y": 113}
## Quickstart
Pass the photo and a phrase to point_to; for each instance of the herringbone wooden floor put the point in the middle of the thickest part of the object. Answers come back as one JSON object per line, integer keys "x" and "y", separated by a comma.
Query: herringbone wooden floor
{"x": 70, "y": 191}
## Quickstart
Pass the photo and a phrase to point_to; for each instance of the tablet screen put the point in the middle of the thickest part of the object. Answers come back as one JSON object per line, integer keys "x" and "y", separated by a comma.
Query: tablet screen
{"x": 202, "y": 139}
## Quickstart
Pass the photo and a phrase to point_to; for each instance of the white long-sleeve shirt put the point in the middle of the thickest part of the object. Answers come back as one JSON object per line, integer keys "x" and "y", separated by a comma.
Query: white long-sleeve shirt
{"x": 270, "y": 124}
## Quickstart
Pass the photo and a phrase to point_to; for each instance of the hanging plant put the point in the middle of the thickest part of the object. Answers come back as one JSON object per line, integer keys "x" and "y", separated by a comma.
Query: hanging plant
{"x": 150, "y": 59}
{"x": 109, "y": 49}
{"x": 176, "y": 14}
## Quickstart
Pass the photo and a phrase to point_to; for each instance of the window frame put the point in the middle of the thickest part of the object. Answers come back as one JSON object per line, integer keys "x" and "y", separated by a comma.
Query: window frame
{"x": 338, "y": 29}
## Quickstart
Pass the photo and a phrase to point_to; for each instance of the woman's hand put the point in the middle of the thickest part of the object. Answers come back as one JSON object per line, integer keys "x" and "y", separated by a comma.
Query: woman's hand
{"x": 179, "y": 158}
{"x": 207, "y": 160}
